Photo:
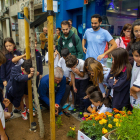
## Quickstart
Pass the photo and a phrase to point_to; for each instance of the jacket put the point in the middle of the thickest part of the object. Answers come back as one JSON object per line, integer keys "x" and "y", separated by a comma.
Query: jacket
{"x": 74, "y": 30}
{"x": 67, "y": 43}
{"x": 43, "y": 40}
{"x": 56, "y": 38}
{"x": 43, "y": 89}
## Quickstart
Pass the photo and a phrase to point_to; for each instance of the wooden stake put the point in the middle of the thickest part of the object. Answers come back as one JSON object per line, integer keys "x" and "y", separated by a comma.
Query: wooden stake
{"x": 51, "y": 70}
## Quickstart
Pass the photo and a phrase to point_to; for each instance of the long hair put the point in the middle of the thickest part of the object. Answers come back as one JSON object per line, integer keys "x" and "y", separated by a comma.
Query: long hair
{"x": 97, "y": 69}
{"x": 9, "y": 39}
{"x": 135, "y": 23}
{"x": 120, "y": 61}
{"x": 125, "y": 27}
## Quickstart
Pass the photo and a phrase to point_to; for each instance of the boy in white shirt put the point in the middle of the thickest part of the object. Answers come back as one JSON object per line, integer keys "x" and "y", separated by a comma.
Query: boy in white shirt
{"x": 135, "y": 79}
{"x": 79, "y": 80}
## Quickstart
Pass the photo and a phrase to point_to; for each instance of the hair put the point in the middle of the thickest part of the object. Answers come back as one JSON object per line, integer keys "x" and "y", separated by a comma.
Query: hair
{"x": 71, "y": 60}
{"x": 27, "y": 64}
{"x": 120, "y": 61}
{"x": 2, "y": 58}
{"x": 58, "y": 72}
{"x": 65, "y": 22}
{"x": 97, "y": 68}
{"x": 9, "y": 39}
{"x": 91, "y": 89}
{"x": 59, "y": 29}
{"x": 135, "y": 23}
{"x": 97, "y": 16}
{"x": 136, "y": 47}
{"x": 96, "y": 96}
{"x": 70, "y": 20}
{"x": 125, "y": 27}
{"x": 107, "y": 102}
{"x": 88, "y": 61}
{"x": 65, "y": 52}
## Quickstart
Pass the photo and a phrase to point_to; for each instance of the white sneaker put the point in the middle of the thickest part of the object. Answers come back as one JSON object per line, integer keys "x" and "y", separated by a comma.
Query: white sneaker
{"x": 24, "y": 115}
{"x": 33, "y": 112}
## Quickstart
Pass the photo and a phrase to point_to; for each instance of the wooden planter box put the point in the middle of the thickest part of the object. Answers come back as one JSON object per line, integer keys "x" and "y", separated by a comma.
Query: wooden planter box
{"x": 82, "y": 136}
{"x": 105, "y": 137}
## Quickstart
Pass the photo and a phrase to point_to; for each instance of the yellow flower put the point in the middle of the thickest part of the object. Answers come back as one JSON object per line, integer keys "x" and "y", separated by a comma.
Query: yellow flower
{"x": 109, "y": 115}
{"x": 110, "y": 125}
{"x": 93, "y": 124}
{"x": 70, "y": 127}
{"x": 73, "y": 129}
{"x": 101, "y": 122}
{"x": 115, "y": 120}
{"x": 117, "y": 124}
{"x": 104, "y": 121}
{"x": 104, "y": 131}
{"x": 85, "y": 115}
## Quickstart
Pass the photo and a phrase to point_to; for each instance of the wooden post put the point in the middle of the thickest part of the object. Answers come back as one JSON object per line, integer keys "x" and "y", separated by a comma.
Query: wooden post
{"x": 32, "y": 41}
{"x": 51, "y": 70}
{"x": 26, "y": 26}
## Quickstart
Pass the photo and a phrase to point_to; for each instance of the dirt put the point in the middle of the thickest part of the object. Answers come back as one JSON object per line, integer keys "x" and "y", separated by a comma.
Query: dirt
{"x": 18, "y": 129}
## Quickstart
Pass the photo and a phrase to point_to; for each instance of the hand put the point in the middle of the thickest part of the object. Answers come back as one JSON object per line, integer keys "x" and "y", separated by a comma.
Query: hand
{"x": 5, "y": 83}
{"x": 100, "y": 57}
{"x": 133, "y": 93}
{"x": 75, "y": 89}
{"x": 40, "y": 77}
{"x": 67, "y": 79}
{"x": 56, "y": 52}
{"x": 86, "y": 97}
{"x": 84, "y": 50}
{"x": 24, "y": 55}
{"x": 31, "y": 73}
{"x": 70, "y": 84}
{"x": 6, "y": 102}
{"x": 115, "y": 82}
{"x": 75, "y": 70}
{"x": 4, "y": 137}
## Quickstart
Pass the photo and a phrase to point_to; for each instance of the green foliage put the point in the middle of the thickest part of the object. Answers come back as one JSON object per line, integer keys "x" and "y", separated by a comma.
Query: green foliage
{"x": 59, "y": 121}
{"x": 71, "y": 132}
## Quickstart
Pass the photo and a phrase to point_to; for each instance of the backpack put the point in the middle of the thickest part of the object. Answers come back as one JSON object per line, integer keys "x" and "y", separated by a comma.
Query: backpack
{"x": 73, "y": 41}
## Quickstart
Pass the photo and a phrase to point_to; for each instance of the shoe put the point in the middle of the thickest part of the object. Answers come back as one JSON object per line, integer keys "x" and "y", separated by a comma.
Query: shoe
{"x": 12, "y": 115}
{"x": 74, "y": 110}
{"x": 24, "y": 115}
{"x": 71, "y": 108}
{"x": 27, "y": 110}
{"x": 60, "y": 113}
{"x": 66, "y": 113}
{"x": 80, "y": 115}
{"x": 65, "y": 106}
{"x": 17, "y": 111}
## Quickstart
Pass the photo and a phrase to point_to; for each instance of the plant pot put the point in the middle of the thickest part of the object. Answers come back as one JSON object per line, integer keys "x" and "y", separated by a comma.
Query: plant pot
{"x": 106, "y": 136}
{"x": 82, "y": 136}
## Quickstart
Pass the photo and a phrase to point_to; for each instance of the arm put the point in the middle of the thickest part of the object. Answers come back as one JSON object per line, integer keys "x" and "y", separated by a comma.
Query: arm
{"x": 2, "y": 132}
{"x": 17, "y": 58}
{"x": 42, "y": 38}
{"x": 117, "y": 42}
{"x": 83, "y": 45}
{"x": 79, "y": 48}
{"x": 73, "y": 81}
{"x": 75, "y": 70}
{"x": 90, "y": 109}
{"x": 3, "y": 74}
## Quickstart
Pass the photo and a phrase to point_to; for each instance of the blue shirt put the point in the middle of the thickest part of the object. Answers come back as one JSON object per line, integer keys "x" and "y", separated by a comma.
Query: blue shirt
{"x": 96, "y": 42}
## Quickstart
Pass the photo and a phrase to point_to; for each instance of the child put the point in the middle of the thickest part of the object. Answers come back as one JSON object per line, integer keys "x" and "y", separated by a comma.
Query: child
{"x": 56, "y": 57}
{"x": 119, "y": 78}
{"x": 135, "y": 79}
{"x": 62, "y": 64}
{"x": 79, "y": 80}
{"x": 10, "y": 52}
{"x": 16, "y": 85}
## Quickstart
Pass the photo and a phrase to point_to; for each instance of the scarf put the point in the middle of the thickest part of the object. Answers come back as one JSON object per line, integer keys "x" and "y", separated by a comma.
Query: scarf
{"x": 125, "y": 41}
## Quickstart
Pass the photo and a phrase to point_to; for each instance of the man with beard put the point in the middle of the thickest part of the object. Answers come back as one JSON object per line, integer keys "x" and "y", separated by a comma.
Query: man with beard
{"x": 96, "y": 39}
{"x": 70, "y": 40}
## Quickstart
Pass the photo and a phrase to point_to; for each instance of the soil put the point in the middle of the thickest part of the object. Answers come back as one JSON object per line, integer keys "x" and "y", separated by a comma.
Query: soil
{"x": 18, "y": 129}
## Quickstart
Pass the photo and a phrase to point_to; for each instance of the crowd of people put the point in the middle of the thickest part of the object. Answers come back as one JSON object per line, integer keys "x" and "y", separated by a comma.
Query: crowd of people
{"x": 90, "y": 83}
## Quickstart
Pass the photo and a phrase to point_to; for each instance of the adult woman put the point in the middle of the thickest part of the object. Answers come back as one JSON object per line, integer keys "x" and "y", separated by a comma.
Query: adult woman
{"x": 124, "y": 38}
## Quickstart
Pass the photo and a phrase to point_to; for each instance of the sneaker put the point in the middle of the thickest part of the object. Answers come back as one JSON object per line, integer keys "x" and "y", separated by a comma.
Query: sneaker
{"x": 24, "y": 115}
{"x": 60, "y": 113}
{"x": 71, "y": 108}
{"x": 65, "y": 106}
{"x": 74, "y": 110}
{"x": 17, "y": 111}
{"x": 80, "y": 115}
{"x": 12, "y": 115}
{"x": 27, "y": 110}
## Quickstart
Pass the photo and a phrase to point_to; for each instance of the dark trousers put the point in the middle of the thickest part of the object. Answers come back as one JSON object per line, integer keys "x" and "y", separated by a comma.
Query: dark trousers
{"x": 63, "y": 100}
{"x": 81, "y": 86}
{"x": 44, "y": 50}
{"x": 85, "y": 104}
{"x": 37, "y": 81}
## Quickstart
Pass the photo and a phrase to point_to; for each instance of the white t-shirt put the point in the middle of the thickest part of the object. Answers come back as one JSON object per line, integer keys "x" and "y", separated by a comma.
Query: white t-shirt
{"x": 55, "y": 60}
{"x": 2, "y": 116}
{"x": 20, "y": 62}
{"x": 80, "y": 67}
{"x": 104, "y": 109}
{"x": 62, "y": 64}
{"x": 135, "y": 81}
{"x": 106, "y": 72}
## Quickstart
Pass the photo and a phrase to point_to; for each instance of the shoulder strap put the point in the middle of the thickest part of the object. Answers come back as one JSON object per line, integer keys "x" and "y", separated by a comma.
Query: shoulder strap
{"x": 74, "y": 42}
{"x": 60, "y": 42}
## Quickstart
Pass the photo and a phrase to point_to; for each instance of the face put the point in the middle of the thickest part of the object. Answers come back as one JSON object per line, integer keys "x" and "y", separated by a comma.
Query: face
{"x": 57, "y": 80}
{"x": 96, "y": 104}
{"x": 95, "y": 24}
{"x": 57, "y": 31}
{"x": 127, "y": 33}
{"x": 65, "y": 30}
{"x": 45, "y": 30}
{"x": 137, "y": 31}
{"x": 70, "y": 23}
{"x": 91, "y": 73}
{"x": 9, "y": 46}
{"x": 136, "y": 57}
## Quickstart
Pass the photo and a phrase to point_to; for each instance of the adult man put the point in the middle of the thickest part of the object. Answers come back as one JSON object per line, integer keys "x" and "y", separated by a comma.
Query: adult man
{"x": 96, "y": 38}
{"x": 44, "y": 40}
{"x": 71, "y": 27}
{"x": 69, "y": 40}
{"x": 61, "y": 89}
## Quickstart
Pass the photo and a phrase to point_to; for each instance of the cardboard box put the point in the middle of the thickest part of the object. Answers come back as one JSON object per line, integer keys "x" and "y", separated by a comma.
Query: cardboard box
{"x": 82, "y": 136}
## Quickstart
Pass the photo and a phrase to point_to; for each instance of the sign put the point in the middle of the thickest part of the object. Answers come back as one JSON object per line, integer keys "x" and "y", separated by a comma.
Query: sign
{"x": 14, "y": 26}
{"x": 44, "y": 6}
{"x": 85, "y": 1}
{"x": 20, "y": 15}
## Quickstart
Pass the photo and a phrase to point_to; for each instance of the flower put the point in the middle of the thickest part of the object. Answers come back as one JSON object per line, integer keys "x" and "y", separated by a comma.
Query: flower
{"x": 115, "y": 110}
{"x": 73, "y": 129}
{"x": 129, "y": 112}
{"x": 104, "y": 131}
{"x": 91, "y": 116}
{"x": 93, "y": 124}
{"x": 85, "y": 115}
{"x": 110, "y": 125}
{"x": 86, "y": 119}
{"x": 97, "y": 118}
{"x": 122, "y": 112}
{"x": 115, "y": 120}
{"x": 117, "y": 124}
{"x": 93, "y": 111}
{"x": 117, "y": 116}
{"x": 104, "y": 121}
{"x": 109, "y": 115}
{"x": 101, "y": 122}
{"x": 70, "y": 127}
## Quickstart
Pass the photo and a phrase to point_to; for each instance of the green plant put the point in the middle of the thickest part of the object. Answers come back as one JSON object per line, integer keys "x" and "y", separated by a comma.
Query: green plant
{"x": 59, "y": 121}
{"x": 71, "y": 132}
